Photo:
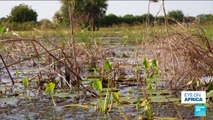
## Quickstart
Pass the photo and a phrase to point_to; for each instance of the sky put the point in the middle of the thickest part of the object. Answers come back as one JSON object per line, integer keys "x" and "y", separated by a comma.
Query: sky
{"x": 47, "y": 9}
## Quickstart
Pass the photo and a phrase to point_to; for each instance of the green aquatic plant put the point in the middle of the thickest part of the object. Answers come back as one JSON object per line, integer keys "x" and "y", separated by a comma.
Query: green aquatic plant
{"x": 115, "y": 96}
{"x": 151, "y": 75}
{"x": 103, "y": 104}
{"x": 130, "y": 91}
{"x": 97, "y": 85}
{"x": 147, "y": 109}
{"x": 25, "y": 83}
{"x": 109, "y": 96}
{"x": 17, "y": 74}
{"x": 49, "y": 89}
{"x": 108, "y": 66}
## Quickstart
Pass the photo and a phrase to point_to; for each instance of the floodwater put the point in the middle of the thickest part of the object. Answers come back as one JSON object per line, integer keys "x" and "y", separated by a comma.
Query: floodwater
{"x": 14, "y": 105}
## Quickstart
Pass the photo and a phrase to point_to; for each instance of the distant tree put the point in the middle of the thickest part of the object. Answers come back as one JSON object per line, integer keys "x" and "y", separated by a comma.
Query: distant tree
{"x": 3, "y": 19}
{"x": 58, "y": 18}
{"x": 202, "y": 18}
{"x": 129, "y": 19}
{"x": 149, "y": 18}
{"x": 86, "y": 11}
{"x": 23, "y": 13}
{"x": 44, "y": 24}
{"x": 176, "y": 15}
{"x": 160, "y": 20}
{"x": 154, "y": 0}
{"x": 189, "y": 19}
{"x": 64, "y": 12}
{"x": 109, "y": 20}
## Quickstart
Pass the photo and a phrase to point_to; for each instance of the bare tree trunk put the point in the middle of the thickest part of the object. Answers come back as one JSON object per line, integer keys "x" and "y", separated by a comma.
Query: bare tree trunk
{"x": 70, "y": 4}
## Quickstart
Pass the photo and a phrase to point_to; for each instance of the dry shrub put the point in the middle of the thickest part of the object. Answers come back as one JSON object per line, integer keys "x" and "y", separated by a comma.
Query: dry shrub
{"x": 183, "y": 57}
{"x": 51, "y": 59}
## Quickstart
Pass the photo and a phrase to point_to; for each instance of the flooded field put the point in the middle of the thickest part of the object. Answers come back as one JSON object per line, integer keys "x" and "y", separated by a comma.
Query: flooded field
{"x": 131, "y": 86}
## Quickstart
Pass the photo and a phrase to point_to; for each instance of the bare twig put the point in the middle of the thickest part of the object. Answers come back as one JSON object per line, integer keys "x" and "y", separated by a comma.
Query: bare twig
{"x": 7, "y": 69}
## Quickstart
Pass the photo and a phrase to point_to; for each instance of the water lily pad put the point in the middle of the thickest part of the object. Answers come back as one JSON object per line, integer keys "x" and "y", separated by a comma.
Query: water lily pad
{"x": 65, "y": 95}
{"x": 2, "y": 88}
{"x": 86, "y": 82}
{"x": 94, "y": 77}
{"x": 77, "y": 105}
{"x": 159, "y": 93}
{"x": 164, "y": 99}
{"x": 165, "y": 118}
{"x": 10, "y": 101}
{"x": 110, "y": 90}
{"x": 94, "y": 102}
{"x": 128, "y": 100}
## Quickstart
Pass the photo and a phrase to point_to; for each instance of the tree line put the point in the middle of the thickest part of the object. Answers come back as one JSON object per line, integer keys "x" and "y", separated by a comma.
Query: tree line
{"x": 90, "y": 14}
{"x": 173, "y": 17}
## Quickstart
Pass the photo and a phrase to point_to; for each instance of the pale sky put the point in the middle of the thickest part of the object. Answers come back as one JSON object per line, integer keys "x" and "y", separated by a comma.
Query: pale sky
{"x": 46, "y": 9}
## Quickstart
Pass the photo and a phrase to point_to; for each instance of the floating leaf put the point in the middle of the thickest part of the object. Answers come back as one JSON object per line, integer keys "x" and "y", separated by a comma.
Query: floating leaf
{"x": 166, "y": 118}
{"x": 86, "y": 81}
{"x": 159, "y": 99}
{"x": 50, "y": 88}
{"x": 110, "y": 89}
{"x": 65, "y": 95}
{"x": 25, "y": 82}
{"x": 9, "y": 100}
{"x": 77, "y": 105}
{"x": 97, "y": 85}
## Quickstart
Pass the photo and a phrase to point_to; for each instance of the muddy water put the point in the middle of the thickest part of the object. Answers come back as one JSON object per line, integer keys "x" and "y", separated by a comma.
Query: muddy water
{"x": 42, "y": 108}
{"x": 15, "y": 106}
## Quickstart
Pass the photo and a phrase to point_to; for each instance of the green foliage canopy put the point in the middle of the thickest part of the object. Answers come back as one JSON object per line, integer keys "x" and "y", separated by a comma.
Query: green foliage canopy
{"x": 23, "y": 13}
{"x": 202, "y": 18}
{"x": 87, "y": 11}
{"x": 176, "y": 15}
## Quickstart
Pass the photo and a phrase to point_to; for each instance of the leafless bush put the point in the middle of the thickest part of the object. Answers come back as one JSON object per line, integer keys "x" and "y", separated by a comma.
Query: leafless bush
{"x": 183, "y": 57}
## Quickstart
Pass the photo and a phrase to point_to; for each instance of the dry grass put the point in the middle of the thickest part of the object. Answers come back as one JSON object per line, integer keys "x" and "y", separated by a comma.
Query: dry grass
{"x": 182, "y": 57}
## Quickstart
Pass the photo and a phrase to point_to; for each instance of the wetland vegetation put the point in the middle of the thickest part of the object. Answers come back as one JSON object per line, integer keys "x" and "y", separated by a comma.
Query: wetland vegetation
{"x": 124, "y": 71}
